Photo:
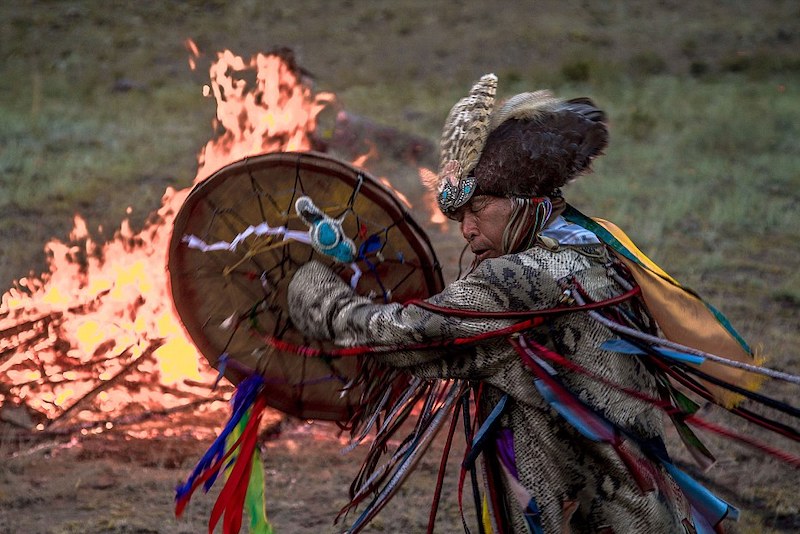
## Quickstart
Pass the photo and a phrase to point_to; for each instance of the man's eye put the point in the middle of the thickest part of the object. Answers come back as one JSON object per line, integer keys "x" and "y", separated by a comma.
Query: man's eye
{"x": 478, "y": 206}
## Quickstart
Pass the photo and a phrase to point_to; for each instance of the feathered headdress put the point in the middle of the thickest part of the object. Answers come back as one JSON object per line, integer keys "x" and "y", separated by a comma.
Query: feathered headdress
{"x": 530, "y": 146}
{"x": 463, "y": 138}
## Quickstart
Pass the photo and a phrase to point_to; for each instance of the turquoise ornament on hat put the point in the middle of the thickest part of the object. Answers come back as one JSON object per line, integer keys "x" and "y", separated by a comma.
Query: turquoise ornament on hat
{"x": 464, "y": 135}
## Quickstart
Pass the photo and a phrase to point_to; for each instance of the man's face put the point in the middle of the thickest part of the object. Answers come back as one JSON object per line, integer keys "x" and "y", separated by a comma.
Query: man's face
{"x": 483, "y": 220}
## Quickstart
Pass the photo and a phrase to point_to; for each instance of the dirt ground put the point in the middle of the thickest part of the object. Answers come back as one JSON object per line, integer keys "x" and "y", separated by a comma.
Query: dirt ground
{"x": 120, "y": 481}
{"x": 116, "y": 483}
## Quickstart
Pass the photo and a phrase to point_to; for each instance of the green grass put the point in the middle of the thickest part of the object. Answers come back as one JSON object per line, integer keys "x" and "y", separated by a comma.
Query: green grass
{"x": 699, "y": 158}
{"x": 696, "y": 159}
{"x": 717, "y": 159}
{"x": 100, "y": 155}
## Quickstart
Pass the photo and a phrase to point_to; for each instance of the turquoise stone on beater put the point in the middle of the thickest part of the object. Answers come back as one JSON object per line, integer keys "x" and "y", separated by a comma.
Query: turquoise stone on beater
{"x": 327, "y": 236}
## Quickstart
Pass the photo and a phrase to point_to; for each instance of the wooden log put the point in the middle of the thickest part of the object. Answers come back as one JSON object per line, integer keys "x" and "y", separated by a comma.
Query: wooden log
{"x": 132, "y": 419}
{"x": 48, "y": 318}
{"x": 50, "y": 378}
{"x": 9, "y": 352}
{"x": 30, "y": 324}
{"x": 148, "y": 353}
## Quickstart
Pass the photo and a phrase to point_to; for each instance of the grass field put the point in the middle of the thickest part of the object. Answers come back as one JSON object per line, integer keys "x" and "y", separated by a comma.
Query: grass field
{"x": 100, "y": 112}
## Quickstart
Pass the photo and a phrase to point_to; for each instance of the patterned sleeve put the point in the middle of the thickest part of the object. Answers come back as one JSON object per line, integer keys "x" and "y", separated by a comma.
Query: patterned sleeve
{"x": 324, "y": 307}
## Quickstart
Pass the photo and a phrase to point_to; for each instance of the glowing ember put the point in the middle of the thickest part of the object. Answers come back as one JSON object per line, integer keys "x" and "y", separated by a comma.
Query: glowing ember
{"x": 96, "y": 335}
{"x": 194, "y": 51}
{"x": 361, "y": 160}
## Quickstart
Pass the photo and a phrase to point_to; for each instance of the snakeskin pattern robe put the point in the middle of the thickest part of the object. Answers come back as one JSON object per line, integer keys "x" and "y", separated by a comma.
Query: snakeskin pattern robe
{"x": 556, "y": 465}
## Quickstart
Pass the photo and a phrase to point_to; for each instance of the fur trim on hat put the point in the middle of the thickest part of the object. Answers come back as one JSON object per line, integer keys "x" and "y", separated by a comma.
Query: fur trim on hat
{"x": 533, "y": 152}
{"x": 532, "y": 145}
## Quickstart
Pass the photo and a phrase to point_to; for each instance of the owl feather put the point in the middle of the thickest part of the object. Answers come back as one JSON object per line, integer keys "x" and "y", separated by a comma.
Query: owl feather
{"x": 466, "y": 129}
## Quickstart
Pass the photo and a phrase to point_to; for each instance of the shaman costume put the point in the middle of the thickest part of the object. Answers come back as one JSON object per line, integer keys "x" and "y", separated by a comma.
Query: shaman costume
{"x": 555, "y": 464}
{"x": 568, "y": 343}
{"x": 552, "y": 477}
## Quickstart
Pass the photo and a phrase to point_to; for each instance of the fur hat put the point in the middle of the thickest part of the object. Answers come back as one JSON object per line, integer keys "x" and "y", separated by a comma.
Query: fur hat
{"x": 530, "y": 146}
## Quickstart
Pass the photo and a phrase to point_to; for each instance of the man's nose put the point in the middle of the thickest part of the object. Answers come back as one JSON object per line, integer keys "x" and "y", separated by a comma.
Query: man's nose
{"x": 468, "y": 227}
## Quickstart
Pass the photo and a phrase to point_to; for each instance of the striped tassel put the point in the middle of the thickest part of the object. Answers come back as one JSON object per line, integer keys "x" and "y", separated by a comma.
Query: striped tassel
{"x": 234, "y": 450}
{"x": 708, "y": 507}
{"x": 230, "y": 502}
{"x": 580, "y": 416}
{"x": 255, "y": 500}
{"x": 683, "y": 316}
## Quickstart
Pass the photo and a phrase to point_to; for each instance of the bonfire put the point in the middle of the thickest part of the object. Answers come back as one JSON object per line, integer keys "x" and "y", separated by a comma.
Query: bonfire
{"x": 94, "y": 342}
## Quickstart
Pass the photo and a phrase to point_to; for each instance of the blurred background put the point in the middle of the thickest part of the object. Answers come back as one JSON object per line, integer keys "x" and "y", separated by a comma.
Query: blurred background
{"x": 102, "y": 108}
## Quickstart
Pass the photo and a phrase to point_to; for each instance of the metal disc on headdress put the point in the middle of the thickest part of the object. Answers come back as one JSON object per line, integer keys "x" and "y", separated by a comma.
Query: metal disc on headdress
{"x": 233, "y": 254}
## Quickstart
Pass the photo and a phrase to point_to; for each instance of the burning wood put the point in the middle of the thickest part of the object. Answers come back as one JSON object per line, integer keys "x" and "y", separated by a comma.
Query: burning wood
{"x": 28, "y": 325}
{"x": 104, "y": 385}
{"x": 57, "y": 331}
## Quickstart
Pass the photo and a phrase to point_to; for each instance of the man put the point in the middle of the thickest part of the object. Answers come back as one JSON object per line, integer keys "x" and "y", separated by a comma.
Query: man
{"x": 500, "y": 178}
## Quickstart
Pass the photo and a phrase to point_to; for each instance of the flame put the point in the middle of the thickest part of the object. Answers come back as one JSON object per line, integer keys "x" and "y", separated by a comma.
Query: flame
{"x": 96, "y": 334}
{"x": 101, "y": 317}
{"x": 194, "y": 51}
{"x": 404, "y": 199}
{"x": 430, "y": 180}
{"x": 361, "y": 160}
{"x": 275, "y": 115}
